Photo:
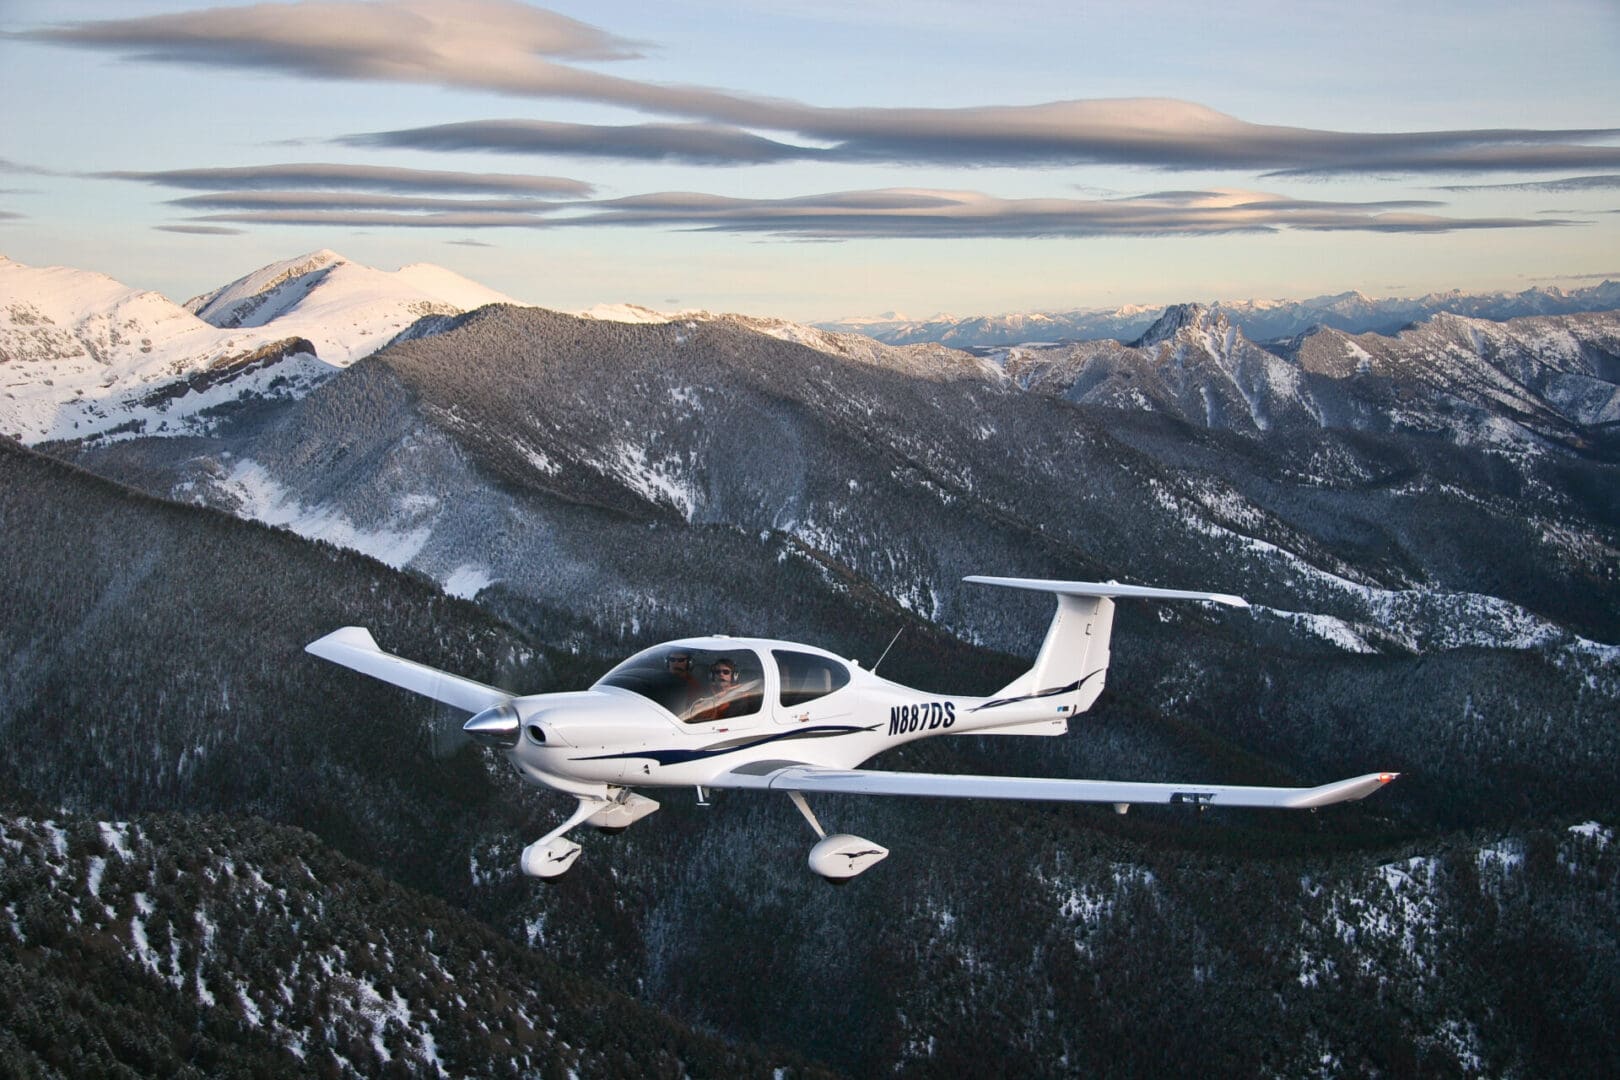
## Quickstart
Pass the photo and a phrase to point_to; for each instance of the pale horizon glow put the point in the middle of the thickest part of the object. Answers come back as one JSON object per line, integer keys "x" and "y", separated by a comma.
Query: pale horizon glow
{"x": 816, "y": 162}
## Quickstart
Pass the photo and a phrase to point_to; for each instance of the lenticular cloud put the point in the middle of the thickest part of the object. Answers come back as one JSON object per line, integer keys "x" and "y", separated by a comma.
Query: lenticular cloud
{"x": 513, "y": 49}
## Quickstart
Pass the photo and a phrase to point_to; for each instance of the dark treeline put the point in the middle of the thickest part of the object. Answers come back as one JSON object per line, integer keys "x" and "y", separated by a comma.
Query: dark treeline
{"x": 227, "y": 947}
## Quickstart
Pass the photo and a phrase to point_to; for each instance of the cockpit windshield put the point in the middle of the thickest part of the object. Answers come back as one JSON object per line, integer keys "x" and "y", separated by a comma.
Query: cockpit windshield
{"x": 697, "y": 685}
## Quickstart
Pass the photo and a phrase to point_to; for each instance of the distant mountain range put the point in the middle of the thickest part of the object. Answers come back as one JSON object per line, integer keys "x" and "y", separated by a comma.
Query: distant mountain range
{"x": 1520, "y": 385}
{"x": 1260, "y": 320}
{"x": 1427, "y": 525}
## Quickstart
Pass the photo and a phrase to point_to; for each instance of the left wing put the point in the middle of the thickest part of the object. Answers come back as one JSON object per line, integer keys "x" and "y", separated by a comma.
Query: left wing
{"x": 354, "y": 647}
{"x": 789, "y": 776}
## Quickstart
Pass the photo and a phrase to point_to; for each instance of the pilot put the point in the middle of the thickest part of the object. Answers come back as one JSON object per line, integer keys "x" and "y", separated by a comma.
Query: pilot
{"x": 686, "y": 690}
{"x": 722, "y": 691}
{"x": 679, "y": 662}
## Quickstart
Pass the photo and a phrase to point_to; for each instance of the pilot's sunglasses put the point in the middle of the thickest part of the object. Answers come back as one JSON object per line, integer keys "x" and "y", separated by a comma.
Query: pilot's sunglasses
{"x": 722, "y": 673}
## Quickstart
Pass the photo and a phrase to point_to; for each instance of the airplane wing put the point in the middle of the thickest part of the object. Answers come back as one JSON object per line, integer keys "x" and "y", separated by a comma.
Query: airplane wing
{"x": 354, "y": 647}
{"x": 789, "y": 776}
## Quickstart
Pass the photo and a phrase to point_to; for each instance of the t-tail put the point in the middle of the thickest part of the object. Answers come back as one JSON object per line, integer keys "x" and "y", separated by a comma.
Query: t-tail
{"x": 1072, "y": 666}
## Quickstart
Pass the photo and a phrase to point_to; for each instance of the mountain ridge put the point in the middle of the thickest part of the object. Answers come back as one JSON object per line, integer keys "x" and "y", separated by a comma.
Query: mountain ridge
{"x": 1262, "y": 320}
{"x": 75, "y": 385}
{"x": 1526, "y": 385}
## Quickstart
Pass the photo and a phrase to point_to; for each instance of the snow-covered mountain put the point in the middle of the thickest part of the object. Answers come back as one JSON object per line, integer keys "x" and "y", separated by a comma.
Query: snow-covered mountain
{"x": 1422, "y": 602}
{"x": 1510, "y": 386}
{"x": 346, "y": 309}
{"x": 1014, "y": 328}
{"x": 1355, "y": 313}
{"x": 82, "y": 354}
{"x": 1260, "y": 320}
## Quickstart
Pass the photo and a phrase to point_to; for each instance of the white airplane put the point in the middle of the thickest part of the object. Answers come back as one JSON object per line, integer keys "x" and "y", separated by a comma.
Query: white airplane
{"x": 727, "y": 712}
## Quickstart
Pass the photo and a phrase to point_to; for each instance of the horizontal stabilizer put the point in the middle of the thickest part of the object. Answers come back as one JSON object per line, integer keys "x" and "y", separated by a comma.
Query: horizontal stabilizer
{"x": 354, "y": 647}
{"x": 810, "y": 778}
{"x": 1111, "y": 590}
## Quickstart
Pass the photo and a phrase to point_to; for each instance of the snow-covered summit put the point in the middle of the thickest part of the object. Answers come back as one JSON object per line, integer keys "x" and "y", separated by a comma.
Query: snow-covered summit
{"x": 70, "y": 339}
{"x": 630, "y": 313}
{"x": 84, "y": 354}
{"x": 56, "y": 311}
{"x": 1179, "y": 317}
{"x": 346, "y": 309}
{"x": 254, "y": 299}
{"x": 450, "y": 287}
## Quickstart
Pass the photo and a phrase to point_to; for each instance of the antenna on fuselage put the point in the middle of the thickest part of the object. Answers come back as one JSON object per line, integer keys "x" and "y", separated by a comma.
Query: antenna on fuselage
{"x": 886, "y": 649}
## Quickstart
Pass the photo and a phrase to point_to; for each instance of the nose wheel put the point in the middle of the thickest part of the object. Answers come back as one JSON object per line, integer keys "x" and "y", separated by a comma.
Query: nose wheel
{"x": 550, "y": 856}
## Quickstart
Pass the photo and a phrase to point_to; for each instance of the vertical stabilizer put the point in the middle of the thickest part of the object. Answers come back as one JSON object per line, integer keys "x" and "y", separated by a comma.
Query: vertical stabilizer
{"x": 1074, "y": 656}
{"x": 1075, "y": 650}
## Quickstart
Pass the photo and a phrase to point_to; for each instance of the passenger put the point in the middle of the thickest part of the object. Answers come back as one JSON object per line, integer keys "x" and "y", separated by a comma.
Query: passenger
{"x": 721, "y": 694}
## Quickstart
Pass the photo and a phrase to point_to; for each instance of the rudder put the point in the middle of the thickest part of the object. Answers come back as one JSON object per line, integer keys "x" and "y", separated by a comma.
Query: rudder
{"x": 1074, "y": 655}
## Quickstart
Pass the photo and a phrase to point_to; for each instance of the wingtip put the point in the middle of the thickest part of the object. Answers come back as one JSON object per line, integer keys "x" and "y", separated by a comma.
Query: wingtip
{"x": 355, "y": 637}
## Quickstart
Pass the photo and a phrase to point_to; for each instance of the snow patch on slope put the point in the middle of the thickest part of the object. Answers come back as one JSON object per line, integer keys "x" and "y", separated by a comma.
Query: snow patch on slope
{"x": 261, "y": 497}
{"x": 656, "y": 481}
{"x": 631, "y": 313}
{"x": 467, "y": 580}
{"x": 1421, "y": 620}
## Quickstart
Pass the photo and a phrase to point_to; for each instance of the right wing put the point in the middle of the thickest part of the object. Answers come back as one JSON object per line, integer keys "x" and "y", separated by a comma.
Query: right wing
{"x": 787, "y": 776}
{"x": 354, "y": 647}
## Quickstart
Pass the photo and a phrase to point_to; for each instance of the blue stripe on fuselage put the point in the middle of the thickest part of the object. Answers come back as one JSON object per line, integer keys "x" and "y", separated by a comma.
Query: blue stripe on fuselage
{"x": 680, "y": 756}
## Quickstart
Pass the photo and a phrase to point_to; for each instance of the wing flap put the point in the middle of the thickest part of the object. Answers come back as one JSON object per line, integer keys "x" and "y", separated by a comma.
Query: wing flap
{"x": 355, "y": 648}
{"x": 810, "y": 778}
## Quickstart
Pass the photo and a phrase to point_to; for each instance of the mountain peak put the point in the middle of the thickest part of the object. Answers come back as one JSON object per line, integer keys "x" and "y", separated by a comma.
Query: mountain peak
{"x": 322, "y": 284}
{"x": 1178, "y": 317}
{"x": 99, "y": 353}
{"x": 1353, "y": 296}
{"x": 243, "y": 302}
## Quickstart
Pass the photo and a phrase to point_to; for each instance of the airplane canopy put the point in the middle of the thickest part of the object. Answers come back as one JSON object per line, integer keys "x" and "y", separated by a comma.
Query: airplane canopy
{"x": 697, "y": 685}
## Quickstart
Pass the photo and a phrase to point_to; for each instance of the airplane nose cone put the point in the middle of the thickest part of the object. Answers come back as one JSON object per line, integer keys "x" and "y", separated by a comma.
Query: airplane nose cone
{"x": 497, "y": 726}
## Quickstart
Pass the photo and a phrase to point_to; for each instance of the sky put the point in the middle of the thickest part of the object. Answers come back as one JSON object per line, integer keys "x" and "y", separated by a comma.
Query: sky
{"x": 817, "y": 161}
